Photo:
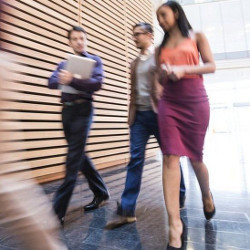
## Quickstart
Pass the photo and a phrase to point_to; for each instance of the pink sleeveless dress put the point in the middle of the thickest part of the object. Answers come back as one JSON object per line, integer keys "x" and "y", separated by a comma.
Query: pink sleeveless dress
{"x": 183, "y": 111}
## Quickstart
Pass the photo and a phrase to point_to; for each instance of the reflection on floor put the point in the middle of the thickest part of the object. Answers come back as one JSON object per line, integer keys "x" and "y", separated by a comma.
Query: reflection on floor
{"x": 228, "y": 160}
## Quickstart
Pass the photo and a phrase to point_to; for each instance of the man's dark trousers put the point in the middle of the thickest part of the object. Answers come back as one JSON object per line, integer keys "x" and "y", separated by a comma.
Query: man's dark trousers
{"x": 77, "y": 120}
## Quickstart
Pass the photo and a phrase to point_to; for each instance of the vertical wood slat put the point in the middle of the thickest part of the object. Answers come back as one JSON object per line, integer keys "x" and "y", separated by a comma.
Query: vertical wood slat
{"x": 34, "y": 32}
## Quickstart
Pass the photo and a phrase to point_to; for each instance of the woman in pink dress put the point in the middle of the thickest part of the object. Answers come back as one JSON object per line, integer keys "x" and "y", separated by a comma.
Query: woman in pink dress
{"x": 183, "y": 111}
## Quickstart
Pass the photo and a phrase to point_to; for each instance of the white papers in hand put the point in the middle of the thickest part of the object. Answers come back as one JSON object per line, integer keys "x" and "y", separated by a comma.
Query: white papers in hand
{"x": 80, "y": 67}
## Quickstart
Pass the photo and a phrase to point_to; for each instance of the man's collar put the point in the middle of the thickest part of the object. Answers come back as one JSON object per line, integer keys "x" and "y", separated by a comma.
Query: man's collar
{"x": 84, "y": 53}
{"x": 149, "y": 51}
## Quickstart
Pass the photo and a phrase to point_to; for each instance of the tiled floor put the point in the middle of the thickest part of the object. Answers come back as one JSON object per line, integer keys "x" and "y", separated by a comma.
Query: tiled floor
{"x": 228, "y": 160}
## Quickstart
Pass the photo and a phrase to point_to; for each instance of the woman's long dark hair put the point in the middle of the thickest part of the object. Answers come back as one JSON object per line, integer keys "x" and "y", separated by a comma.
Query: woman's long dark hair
{"x": 182, "y": 21}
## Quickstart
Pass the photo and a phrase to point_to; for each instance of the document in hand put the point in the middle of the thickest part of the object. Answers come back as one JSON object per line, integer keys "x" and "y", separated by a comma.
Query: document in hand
{"x": 80, "y": 66}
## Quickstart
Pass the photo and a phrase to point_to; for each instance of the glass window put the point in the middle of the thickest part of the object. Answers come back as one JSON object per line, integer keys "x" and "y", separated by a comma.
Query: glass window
{"x": 246, "y": 9}
{"x": 233, "y": 24}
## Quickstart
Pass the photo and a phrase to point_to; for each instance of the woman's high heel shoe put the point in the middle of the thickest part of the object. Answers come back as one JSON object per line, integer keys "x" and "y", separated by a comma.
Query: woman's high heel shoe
{"x": 182, "y": 238}
{"x": 209, "y": 215}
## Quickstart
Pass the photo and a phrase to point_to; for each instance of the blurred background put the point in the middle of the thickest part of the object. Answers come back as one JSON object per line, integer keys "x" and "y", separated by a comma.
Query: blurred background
{"x": 33, "y": 32}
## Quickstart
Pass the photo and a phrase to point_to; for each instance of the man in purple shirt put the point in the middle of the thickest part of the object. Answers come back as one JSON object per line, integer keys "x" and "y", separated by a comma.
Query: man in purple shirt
{"x": 77, "y": 114}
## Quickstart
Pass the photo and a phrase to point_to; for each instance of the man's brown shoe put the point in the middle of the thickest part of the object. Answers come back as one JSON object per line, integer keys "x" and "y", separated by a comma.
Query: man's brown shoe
{"x": 122, "y": 220}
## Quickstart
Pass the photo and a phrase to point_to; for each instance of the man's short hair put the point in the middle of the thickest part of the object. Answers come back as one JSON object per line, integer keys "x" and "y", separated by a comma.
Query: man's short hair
{"x": 146, "y": 26}
{"x": 76, "y": 28}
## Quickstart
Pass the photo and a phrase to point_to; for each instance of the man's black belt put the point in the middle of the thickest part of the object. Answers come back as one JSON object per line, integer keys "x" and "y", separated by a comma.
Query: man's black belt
{"x": 75, "y": 102}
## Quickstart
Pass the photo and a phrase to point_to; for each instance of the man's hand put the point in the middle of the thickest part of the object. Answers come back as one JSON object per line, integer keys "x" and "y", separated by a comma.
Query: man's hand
{"x": 158, "y": 90}
{"x": 65, "y": 77}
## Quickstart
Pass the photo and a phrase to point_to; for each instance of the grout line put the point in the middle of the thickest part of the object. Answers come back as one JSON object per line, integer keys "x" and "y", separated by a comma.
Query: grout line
{"x": 247, "y": 217}
{"x": 218, "y": 231}
{"x": 221, "y": 211}
{"x": 215, "y": 219}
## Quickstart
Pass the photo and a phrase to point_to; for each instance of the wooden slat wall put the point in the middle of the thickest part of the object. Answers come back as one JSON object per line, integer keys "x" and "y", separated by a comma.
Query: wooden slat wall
{"x": 34, "y": 32}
